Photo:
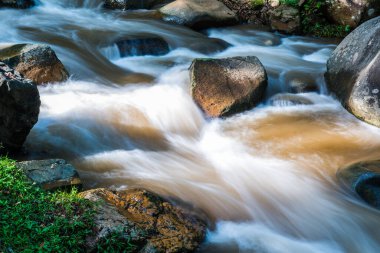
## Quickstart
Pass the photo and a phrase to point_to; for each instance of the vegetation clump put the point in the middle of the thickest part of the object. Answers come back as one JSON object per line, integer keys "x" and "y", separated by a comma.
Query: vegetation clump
{"x": 34, "y": 220}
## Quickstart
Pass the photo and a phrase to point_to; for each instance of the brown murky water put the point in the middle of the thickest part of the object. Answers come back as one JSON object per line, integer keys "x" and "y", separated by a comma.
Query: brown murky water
{"x": 266, "y": 176}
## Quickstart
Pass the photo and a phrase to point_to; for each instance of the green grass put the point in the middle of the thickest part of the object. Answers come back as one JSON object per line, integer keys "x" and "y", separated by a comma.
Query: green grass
{"x": 34, "y": 220}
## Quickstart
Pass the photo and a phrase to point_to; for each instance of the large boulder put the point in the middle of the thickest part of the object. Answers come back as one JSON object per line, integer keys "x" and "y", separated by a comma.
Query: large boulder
{"x": 133, "y": 4}
{"x": 285, "y": 19}
{"x": 351, "y": 12}
{"x": 363, "y": 178}
{"x": 222, "y": 87}
{"x": 36, "y": 62}
{"x": 353, "y": 72}
{"x": 51, "y": 174}
{"x": 19, "y": 107}
{"x": 147, "y": 221}
{"x": 22, "y": 4}
{"x": 142, "y": 46}
{"x": 198, "y": 14}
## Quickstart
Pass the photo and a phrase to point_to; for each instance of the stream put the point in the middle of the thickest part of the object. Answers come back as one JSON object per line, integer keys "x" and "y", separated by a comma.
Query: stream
{"x": 265, "y": 176}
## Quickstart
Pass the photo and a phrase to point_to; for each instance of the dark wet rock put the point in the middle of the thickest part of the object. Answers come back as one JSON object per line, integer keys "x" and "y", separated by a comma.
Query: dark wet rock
{"x": 300, "y": 82}
{"x": 134, "y": 4}
{"x": 364, "y": 179}
{"x": 198, "y": 14}
{"x": 353, "y": 72}
{"x": 222, "y": 87}
{"x": 21, "y": 4}
{"x": 19, "y": 107}
{"x": 352, "y": 12}
{"x": 288, "y": 99}
{"x": 148, "y": 221}
{"x": 51, "y": 174}
{"x": 36, "y": 62}
{"x": 285, "y": 19}
{"x": 143, "y": 46}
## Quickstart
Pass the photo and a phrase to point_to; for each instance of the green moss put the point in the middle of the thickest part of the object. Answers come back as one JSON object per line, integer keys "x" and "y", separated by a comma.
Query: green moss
{"x": 34, "y": 220}
{"x": 256, "y": 4}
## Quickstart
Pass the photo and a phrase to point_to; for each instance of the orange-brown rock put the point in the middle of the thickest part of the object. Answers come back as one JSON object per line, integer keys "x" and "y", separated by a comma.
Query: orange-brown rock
{"x": 151, "y": 223}
{"x": 222, "y": 87}
{"x": 38, "y": 63}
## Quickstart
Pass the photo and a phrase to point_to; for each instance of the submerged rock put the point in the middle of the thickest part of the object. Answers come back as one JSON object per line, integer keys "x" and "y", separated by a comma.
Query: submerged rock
{"x": 51, "y": 174}
{"x": 353, "y": 72}
{"x": 222, "y": 87}
{"x": 364, "y": 179}
{"x": 148, "y": 221}
{"x": 285, "y": 19}
{"x": 22, "y": 4}
{"x": 288, "y": 99}
{"x": 143, "y": 46}
{"x": 19, "y": 107}
{"x": 198, "y": 14}
{"x": 36, "y": 62}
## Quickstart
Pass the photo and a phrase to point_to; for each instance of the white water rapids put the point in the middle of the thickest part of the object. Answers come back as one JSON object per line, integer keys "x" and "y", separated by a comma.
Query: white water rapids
{"x": 266, "y": 176}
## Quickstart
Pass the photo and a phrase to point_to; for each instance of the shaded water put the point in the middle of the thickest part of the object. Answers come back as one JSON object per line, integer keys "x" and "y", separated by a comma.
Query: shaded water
{"x": 266, "y": 176}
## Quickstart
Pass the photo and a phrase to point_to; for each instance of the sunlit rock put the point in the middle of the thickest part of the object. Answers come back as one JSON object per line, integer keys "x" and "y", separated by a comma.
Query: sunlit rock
{"x": 353, "y": 72}
{"x": 198, "y": 14}
{"x": 19, "y": 107}
{"x": 148, "y": 221}
{"x": 222, "y": 87}
{"x": 34, "y": 61}
{"x": 51, "y": 174}
{"x": 364, "y": 179}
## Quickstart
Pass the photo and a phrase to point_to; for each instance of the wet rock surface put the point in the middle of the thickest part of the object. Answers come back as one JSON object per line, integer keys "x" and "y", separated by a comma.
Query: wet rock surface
{"x": 134, "y": 4}
{"x": 364, "y": 179}
{"x": 19, "y": 107}
{"x": 198, "y": 14}
{"x": 142, "y": 46}
{"x": 34, "y": 61}
{"x": 150, "y": 222}
{"x": 21, "y": 4}
{"x": 222, "y": 87}
{"x": 353, "y": 72}
{"x": 51, "y": 174}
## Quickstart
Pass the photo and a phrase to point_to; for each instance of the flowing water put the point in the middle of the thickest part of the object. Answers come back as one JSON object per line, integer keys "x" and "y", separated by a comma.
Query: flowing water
{"x": 265, "y": 176}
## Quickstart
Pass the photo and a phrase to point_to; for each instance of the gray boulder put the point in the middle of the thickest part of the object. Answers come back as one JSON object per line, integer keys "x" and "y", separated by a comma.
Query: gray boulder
{"x": 198, "y": 14}
{"x": 36, "y": 62}
{"x": 364, "y": 179}
{"x": 353, "y": 72}
{"x": 222, "y": 87}
{"x": 51, "y": 174}
{"x": 19, "y": 107}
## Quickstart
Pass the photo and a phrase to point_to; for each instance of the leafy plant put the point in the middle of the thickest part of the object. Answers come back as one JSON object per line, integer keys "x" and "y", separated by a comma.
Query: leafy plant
{"x": 293, "y": 3}
{"x": 257, "y": 3}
